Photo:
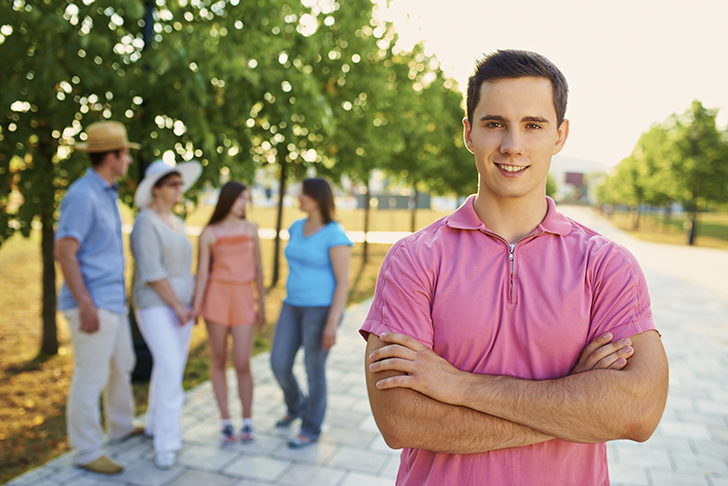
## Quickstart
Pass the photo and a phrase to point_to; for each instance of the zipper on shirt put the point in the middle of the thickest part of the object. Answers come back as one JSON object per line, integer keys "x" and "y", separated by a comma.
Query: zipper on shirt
{"x": 511, "y": 250}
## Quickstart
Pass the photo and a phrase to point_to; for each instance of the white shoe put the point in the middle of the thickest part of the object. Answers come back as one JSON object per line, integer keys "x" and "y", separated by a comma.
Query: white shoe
{"x": 165, "y": 460}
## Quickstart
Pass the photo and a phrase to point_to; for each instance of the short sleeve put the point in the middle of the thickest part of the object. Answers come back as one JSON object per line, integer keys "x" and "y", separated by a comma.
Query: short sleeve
{"x": 402, "y": 299}
{"x": 146, "y": 246}
{"x": 621, "y": 302}
{"x": 338, "y": 237}
{"x": 76, "y": 217}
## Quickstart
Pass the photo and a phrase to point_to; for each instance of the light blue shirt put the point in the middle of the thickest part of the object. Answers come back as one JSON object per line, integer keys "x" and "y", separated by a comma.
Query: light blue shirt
{"x": 311, "y": 281}
{"x": 89, "y": 215}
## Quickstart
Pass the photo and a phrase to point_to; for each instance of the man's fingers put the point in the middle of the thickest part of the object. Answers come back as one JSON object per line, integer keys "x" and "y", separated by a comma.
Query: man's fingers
{"x": 391, "y": 351}
{"x": 399, "y": 381}
{"x": 401, "y": 339}
{"x": 593, "y": 346}
{"x": 392, "y": 364}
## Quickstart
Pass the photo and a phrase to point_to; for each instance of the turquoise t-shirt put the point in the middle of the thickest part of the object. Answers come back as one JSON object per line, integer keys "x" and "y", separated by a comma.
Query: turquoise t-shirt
{"x": 311, "y": 281}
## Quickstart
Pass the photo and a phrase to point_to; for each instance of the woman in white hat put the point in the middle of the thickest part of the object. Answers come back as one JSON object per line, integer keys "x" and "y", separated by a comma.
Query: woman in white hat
{"x": 162, "y": 293}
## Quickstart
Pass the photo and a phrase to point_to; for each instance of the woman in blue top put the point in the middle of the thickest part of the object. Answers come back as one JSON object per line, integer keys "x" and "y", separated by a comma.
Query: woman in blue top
{"x": 317, "y": 286}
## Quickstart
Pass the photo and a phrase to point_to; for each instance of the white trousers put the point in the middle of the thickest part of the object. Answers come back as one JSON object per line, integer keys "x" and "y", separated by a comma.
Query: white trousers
{"x": 168, "y": 341}
{"x": 102, "y": 363}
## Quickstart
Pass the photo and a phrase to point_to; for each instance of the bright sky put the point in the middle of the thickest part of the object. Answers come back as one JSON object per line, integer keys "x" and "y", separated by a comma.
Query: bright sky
{"x": 629, "y": 63}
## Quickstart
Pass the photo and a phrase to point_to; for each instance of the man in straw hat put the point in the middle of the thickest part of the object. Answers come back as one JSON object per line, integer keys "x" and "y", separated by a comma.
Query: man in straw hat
{"x": 93, "y": 299}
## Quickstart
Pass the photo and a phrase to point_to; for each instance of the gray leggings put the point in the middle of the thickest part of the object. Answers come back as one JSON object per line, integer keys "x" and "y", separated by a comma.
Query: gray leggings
{"x": 302, "y": 326}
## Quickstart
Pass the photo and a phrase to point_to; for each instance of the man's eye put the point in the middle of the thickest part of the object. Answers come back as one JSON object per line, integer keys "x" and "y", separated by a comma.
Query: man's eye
{"x": 533, "y": 126}
{"x": 493, "y": 125}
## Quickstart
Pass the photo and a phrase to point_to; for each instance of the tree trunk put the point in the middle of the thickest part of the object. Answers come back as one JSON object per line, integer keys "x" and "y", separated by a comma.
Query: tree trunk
{"x": 49, "y": 339}
{"x": 367, "y": 205}
{"x": 283, "y": 151}
{"x": 413, "y": 226}
{"x": 636, "y": 217}
{"x": 693, "y": 227}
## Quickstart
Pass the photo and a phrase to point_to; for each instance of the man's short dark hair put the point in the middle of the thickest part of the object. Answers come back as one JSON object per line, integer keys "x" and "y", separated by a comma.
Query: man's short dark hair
{"x": 97, "y": 158}
{"x": 511, "y": 64}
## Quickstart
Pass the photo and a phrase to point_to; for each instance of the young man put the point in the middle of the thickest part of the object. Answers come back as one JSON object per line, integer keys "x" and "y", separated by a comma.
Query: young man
{"x": 477, "y": 357}
{"x": 93, "y": 299}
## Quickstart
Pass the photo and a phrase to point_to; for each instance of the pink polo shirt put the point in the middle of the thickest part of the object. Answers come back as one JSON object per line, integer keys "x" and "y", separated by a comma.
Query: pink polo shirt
{"x": 526, "y": 310}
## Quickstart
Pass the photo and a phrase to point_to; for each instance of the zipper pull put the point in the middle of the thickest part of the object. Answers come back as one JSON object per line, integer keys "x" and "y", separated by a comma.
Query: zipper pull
{"x": 510, "y": 254}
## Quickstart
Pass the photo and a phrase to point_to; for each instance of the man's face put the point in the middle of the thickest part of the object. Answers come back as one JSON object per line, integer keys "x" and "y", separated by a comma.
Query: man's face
{"x": 119, "y": 164}
{"x": 513, "y": 136}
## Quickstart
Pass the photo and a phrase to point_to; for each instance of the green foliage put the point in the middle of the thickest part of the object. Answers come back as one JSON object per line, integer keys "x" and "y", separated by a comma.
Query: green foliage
{"x": 237, "y": 84}
{"x": 681, "y": 160}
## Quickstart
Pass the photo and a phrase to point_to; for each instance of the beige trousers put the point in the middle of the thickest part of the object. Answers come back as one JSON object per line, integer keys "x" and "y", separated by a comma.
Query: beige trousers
{"x": 102, "y": 364}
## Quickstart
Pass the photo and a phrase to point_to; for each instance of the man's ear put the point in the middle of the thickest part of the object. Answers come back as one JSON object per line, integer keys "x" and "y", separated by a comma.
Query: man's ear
{"x": 562, "y": 135}
{"x": 466, "y": 135}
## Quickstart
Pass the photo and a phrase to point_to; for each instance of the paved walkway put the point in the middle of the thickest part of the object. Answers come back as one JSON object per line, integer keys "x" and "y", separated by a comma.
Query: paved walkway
{"x": 690, "y": 447}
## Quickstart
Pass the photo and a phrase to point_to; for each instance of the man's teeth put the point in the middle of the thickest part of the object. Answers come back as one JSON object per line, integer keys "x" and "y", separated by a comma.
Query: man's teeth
{"x": 511, "y": 168}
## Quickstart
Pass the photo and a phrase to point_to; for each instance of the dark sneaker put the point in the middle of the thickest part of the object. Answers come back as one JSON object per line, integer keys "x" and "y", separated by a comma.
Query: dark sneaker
{"x": 227, "y": 435}
{"x": 246, "y": 433}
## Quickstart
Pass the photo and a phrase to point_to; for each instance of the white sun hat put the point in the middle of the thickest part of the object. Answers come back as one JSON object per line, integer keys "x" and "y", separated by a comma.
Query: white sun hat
{"x": 189, "y": 171}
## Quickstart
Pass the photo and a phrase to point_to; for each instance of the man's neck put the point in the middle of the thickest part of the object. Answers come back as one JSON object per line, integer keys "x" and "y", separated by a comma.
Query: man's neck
{"x": 105, "y": 174}
{"x": 513, "y": 218}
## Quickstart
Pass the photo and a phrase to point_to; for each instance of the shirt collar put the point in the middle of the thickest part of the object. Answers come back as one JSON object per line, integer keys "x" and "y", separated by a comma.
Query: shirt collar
{"x": 465, "y": 218}
{"x": 100, "y": 182}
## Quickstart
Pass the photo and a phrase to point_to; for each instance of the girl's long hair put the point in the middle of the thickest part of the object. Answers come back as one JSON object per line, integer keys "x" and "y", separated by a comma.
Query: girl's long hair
{"x": 228, "y": 194}
{"x": 320, "y": 190}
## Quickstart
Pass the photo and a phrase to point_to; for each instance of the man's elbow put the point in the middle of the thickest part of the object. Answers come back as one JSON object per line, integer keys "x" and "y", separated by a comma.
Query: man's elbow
{"x": 646, "y": 420}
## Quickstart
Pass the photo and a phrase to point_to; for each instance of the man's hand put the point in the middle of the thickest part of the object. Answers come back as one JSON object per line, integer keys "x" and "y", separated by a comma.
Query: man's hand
{"x": 603, "y": 354}
{"x": 426, "y": 372}
{"x": 88, "y": 318}
{"x": 433, "y": 376}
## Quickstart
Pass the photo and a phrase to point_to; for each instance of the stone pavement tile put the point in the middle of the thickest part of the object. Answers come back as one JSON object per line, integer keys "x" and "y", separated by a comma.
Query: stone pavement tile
{"x": 210, "y": 459}
{"x": 705, "y": 417}
{"x": 319, "y": 453}
{"x": 349, "y": 436}
{"x": 629, "y": 458}
{"x": 391, "y": 467}
{"x": 361, "y": 479}
{"x": 710, "y": 448}
{"x": 692, "y": 463}
{"x": 718, "y": 480}
{"x": 31, "y": 477}
{"x": 632, "y": 475}
{"x": 143, "y": 473}
{"x": 675, "y": 429}
{"x": 358, "y": 460}
{"x": 305, "y": 474}
{"x": 259, "y": 468}
{"x": 68, "y": 475}
{"x": 671, "y": 478}
{"x": 202, "y": 478}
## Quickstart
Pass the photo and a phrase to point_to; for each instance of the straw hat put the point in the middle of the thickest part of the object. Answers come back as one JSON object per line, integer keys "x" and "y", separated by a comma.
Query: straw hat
{"x": 106, "y": 136}
{"x": 189, "y": 171}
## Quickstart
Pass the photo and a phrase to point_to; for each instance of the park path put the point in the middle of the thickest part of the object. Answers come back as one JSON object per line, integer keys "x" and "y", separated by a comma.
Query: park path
{"x": 690, "y": 447}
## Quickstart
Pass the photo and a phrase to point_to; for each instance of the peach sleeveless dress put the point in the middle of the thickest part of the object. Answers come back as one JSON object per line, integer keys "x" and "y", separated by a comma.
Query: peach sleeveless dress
{"x": 229, "y": 298}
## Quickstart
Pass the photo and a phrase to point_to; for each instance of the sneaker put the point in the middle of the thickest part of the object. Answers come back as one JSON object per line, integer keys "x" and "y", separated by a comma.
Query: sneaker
{"x": 227, "y": 435}
{"x": 246, "y": 433}
{"x": 165, "y": 460}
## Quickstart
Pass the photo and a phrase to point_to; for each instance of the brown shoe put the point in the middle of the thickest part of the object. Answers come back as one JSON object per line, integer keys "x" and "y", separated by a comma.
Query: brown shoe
{"x": 103, "y": 465}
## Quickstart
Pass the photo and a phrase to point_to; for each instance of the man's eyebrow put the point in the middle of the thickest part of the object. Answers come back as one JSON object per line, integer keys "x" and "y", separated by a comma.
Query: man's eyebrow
{"x": 499, "y": 118}
{"x": 492, "y": 117}
{"x": 537, "y": 119}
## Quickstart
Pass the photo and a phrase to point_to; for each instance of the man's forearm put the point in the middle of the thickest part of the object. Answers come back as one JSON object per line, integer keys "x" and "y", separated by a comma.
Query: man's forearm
{"x": 587, "y": 407}
{"x": 407, "y": 418}
{"x": 74, "y": 279}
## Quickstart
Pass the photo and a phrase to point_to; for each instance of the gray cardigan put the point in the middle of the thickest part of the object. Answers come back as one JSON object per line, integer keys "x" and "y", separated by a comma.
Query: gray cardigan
{"x": 160, "y": 252}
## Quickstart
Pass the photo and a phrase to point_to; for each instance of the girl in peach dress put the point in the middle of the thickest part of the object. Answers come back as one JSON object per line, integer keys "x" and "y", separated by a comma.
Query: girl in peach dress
{"x": 228, "y": 267}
